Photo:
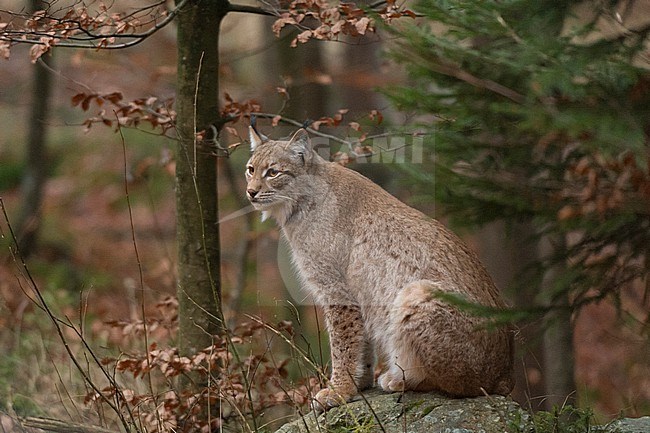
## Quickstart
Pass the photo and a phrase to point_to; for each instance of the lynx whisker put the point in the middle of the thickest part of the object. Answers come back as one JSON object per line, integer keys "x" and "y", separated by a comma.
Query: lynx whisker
{"x": 236, "y": 214}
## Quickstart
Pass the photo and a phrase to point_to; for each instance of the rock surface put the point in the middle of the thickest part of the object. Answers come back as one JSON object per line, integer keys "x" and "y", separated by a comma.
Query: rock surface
{"x": 413, "y": 412}
{"x": 630, "y": 425}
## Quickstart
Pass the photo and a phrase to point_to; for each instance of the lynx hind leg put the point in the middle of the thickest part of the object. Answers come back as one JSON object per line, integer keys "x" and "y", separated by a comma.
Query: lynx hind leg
{"x": 406, "y": 371}
{"x": 435, "y": 347}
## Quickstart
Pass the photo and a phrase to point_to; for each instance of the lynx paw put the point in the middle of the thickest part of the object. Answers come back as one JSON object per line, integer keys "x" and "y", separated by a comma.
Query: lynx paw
{"x": 390, "y": 383}
{"x": 326, "y": 399}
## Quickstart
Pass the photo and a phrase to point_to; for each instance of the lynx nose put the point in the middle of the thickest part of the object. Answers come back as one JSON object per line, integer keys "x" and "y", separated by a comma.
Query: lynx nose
{"x": 251, "y": 193}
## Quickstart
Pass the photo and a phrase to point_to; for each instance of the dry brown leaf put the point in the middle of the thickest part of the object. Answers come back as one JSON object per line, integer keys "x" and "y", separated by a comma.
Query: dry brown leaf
{"x": 362, "y": 25}
{"x": 5, "y": 49}
{"x": 232, "y": 131}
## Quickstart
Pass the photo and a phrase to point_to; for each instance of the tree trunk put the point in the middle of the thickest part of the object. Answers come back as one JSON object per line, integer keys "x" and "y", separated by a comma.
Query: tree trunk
{"x": 506, "y": 251}
{"x": 558, "y": 338}
{"x": 33, "y": 179}
{"x": 199, "y": 289}
{"x": 559, "y": 361}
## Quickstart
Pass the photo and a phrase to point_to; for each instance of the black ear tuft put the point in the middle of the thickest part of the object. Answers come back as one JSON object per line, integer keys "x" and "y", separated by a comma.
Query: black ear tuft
{"x": 254, "y": 123}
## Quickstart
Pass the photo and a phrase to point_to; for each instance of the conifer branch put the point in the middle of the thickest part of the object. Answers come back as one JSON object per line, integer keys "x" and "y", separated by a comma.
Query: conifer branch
{"x": 461, "y": 74}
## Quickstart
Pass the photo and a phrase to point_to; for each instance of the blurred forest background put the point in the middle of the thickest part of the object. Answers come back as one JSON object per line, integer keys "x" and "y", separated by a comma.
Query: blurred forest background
{"x": 534, "y": 122}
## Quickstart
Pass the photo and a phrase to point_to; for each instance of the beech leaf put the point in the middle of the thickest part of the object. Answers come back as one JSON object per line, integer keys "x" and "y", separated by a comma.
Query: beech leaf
{"x": 362, "y": 25}
{"x": 304, "y": 36}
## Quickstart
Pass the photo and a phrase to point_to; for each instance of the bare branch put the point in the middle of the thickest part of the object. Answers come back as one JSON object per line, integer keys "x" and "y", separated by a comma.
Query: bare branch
{"x": 308, "y": 129}
{"x": 355, "y": 146}
{"x": 251, "y": 10}
{"x": 54, "y": 425}
{"x": 74, "y": 34}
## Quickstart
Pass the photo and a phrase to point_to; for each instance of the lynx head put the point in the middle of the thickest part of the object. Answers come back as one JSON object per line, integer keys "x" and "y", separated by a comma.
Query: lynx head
{"x": 278, "y": 174}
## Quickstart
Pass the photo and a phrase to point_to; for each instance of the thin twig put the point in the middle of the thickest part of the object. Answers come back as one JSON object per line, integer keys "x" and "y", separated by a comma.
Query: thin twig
{"x": 194, "y": 105}
{"x": 140, "y": 275}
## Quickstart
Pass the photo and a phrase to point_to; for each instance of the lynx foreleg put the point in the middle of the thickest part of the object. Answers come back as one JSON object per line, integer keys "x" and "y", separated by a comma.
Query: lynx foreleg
{"x": 350, "y": 350}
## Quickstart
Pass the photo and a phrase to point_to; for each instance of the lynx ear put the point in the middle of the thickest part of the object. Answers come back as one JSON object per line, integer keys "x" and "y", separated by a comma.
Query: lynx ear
{"x": 300, "y": 145}
{"x": 255, "y": 139}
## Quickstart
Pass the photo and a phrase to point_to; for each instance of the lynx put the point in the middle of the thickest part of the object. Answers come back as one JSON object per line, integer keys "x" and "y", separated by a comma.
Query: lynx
{"x": 376, "y": 266}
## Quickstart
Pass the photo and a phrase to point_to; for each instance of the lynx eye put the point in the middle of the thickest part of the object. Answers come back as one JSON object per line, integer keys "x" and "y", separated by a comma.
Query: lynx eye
{"x": 250, "y": 170}
{"x": 272, "y": 172}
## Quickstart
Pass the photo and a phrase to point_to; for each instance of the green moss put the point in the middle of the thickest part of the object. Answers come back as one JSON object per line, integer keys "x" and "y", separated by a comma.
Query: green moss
{"x": 10, "y": 174}
{"x": 25, "y": 406}
{"x": 427, "y": 409}
{"x": 64, "y": 275}
{"x": 566, "y": 419}
{"x": 412, "y": 405}
{"x": 350, "y": 422}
